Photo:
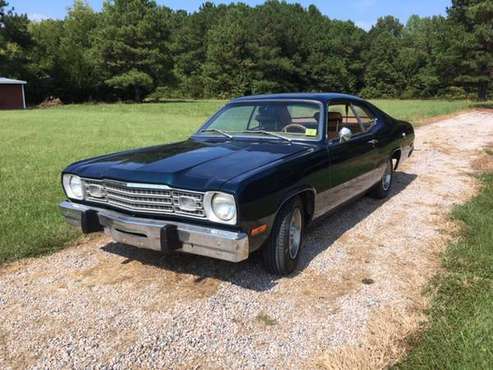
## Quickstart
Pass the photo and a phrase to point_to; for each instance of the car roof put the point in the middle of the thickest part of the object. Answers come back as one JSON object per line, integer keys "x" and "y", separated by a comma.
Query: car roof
{"x": 322, "y": 97}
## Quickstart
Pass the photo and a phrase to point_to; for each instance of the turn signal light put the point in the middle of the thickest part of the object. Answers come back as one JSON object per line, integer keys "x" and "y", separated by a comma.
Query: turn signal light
{"x": 258, "y": 230}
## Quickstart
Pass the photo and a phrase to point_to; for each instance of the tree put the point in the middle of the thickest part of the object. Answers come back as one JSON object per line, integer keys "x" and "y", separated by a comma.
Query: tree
{"x": 422, "y": 57}
{"x": 383, "y": 75}
{"x": 131, "y": 46}
{"x": 280, "y": 47}
{"x": 474, "y": 46}
{"x": 48, "y": 71}
{"x": 74, "y": 51}
{"x": 335, "y": 62}
{"x": 228, "y": 69}
{"x": 15, "y": 43}
{"x": 189, "y": 47}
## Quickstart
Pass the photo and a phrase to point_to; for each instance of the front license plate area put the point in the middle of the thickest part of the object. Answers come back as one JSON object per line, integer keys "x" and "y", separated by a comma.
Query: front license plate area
{"x": 169, "y": 238}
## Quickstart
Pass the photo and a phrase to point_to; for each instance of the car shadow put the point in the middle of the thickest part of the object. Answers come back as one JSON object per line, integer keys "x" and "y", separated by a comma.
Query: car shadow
{"x": 250, "y": 274}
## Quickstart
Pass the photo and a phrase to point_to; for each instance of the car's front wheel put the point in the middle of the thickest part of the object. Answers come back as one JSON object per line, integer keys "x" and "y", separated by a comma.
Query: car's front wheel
{"x": 382, "y": 188}
{"x": 282, "y": 251}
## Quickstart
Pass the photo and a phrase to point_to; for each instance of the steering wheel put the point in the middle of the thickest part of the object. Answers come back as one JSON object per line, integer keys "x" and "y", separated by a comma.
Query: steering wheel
{"x": 298, "y": 128}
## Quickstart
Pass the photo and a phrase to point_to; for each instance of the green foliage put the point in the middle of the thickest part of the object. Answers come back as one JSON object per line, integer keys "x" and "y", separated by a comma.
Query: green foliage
{"x": 75, "y": 51}
{"x": 228, "y": 68}
{"x": 15, "y": 43}
{"x": 134, "y": 79}
{"x": 474, "y": 18}
{"x": 460, "y": 335}
{"x": 132, "y": 47}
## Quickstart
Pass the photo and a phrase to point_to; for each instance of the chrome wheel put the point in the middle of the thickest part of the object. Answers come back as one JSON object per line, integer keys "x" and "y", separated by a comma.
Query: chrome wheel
{"x": 387, "y": 176}
{"x": 295, "y": 233}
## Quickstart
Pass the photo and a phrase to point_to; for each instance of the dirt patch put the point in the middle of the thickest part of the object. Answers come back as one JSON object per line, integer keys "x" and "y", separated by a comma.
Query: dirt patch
{"x": 442, "y": 117}
{"x": 484, "y": 163}
{"x": 382, "y": 347}
{"x": 351, "y": 304}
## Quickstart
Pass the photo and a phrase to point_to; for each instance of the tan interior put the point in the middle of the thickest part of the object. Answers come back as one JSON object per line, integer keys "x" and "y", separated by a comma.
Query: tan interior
{"x": 337, "y": 121}
{"x": 334, "y": 124}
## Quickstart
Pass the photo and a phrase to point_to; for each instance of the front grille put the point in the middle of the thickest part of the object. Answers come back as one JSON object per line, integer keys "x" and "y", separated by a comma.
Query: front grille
{"x": 145, "y": 198}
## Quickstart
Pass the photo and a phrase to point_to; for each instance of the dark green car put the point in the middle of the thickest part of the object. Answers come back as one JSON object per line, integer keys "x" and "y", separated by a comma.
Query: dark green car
{"x": 253, "y": 176}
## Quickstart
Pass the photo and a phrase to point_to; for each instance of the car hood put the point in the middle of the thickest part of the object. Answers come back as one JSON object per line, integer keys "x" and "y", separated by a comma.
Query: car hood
{"x": 191, "y": 164}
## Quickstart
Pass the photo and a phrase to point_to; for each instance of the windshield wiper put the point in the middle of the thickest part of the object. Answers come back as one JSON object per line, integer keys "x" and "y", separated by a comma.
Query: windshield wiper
{"x": 267, "y": 133}
{"x": 218, "y": 131}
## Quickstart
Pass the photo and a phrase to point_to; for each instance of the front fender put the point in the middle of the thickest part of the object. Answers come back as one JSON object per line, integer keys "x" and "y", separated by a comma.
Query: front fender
{"x": 261, "y": 194}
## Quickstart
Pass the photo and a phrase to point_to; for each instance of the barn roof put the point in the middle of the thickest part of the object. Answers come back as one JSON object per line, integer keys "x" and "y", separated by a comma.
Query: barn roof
{"x": 8, "y": 81}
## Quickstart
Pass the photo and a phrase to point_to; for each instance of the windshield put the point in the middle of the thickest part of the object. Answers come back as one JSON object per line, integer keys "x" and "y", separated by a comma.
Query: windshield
{"x": 280, "y": 119}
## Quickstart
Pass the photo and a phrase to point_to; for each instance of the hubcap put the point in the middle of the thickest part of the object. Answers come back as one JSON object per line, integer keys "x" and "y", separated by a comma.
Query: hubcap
{"x": 387, "y": 176}
{"x": 295, "y": 233}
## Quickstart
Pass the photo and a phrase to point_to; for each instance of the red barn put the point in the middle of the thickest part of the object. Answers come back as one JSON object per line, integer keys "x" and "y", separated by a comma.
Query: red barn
{"x": 12, "y": 94}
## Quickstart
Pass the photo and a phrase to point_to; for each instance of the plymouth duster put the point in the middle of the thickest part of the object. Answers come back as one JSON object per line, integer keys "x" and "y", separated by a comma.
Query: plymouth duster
{"x": 251, "y": 178}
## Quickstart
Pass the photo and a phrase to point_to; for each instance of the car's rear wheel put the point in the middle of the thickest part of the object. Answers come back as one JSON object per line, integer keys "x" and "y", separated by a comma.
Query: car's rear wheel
{"x": 282, "y": 251}
{"x": 382, "y": 188}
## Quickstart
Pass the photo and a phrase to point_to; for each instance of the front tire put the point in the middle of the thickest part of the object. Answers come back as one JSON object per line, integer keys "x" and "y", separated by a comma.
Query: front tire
{"x": 382, "y": 188}
{"x": 282, "y": 251}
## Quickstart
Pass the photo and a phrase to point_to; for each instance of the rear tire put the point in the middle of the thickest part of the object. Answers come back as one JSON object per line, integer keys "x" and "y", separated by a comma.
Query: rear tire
{"x": 282, "y": 251}
{"x": 382, "y": 188}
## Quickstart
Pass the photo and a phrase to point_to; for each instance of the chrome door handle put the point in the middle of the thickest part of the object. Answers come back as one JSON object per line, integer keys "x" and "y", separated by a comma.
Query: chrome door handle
{"x": 373, "y": 142}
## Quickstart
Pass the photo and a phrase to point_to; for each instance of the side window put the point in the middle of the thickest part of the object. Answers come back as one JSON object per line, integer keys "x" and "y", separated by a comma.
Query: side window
{"x": 345, "y": 116}
{"x": 336, "y": 119}
{"x": 366, "y": 118}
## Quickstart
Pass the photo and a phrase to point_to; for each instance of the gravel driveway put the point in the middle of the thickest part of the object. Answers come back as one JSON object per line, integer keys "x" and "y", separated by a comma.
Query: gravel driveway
{"x": 351, "y": 303}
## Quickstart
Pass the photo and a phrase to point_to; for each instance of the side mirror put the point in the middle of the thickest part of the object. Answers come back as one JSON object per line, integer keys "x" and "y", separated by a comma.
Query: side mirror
{"x": 345, "y": 134}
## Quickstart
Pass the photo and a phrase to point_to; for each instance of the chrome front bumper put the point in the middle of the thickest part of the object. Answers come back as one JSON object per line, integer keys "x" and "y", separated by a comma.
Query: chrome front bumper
{"x": 147, "y": 233}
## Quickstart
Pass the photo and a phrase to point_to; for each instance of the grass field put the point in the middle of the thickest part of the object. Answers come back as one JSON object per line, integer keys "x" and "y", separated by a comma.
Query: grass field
{"x": 37, "y": 144}
{"x": 461, "y": 317}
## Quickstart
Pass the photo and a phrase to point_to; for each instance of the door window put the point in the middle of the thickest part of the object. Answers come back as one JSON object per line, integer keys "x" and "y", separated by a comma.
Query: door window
{"x": 366, "y": 118}
{"x": 342, "y": 115}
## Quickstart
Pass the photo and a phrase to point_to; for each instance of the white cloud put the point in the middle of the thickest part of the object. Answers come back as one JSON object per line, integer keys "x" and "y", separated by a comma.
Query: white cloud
{"x": 366, "y": 25}
{"x": 37, "y": 17}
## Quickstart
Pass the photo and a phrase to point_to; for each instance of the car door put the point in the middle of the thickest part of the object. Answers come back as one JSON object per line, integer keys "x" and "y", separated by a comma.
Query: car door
{"x": 352, "y": 164}
{"x": 371, "y": 125}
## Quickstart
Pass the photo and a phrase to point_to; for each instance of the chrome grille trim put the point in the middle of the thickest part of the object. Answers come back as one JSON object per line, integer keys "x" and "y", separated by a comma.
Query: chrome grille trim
{"x": 145, "y": 198}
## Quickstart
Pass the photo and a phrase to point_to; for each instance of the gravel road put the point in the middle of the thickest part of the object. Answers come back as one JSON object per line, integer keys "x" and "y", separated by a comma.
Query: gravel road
{"x": 351, "y": 303}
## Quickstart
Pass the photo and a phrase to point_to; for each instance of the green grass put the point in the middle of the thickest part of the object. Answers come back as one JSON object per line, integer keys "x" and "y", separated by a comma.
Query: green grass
{"x": 417, "y": 110}
{"x": 37, "y": 144}
{"x": 460, "y": 335}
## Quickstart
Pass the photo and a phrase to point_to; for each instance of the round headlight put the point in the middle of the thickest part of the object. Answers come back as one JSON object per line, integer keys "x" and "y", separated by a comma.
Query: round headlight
{"x": 73, "y": 186}
{"x": 224, "y": 207}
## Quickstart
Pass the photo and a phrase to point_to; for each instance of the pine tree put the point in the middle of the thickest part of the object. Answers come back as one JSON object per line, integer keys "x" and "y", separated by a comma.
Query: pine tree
{"x": 383, "y": 75}
{"x": 474, "y": 46}
{"x": 228, "y": 69}
{"x": 132, "y": 46}
{"x": 75, "y": 43}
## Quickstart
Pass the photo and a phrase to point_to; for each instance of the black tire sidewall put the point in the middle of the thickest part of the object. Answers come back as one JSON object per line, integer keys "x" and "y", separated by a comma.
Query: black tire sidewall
{"x": 378, "y": 191}
{"x": 276, "y": 253}
{"x": 391, "y": 178}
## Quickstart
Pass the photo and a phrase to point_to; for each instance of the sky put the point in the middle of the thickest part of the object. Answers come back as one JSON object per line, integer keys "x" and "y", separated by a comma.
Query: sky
{"x": 364, "y": 13}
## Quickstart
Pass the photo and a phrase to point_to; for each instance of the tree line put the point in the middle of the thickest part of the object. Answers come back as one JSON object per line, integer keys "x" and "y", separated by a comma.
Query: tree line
{"x": 133, "y": 49}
